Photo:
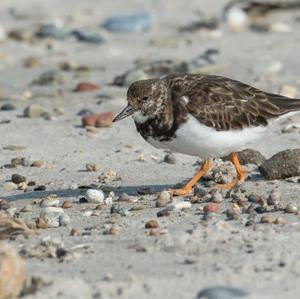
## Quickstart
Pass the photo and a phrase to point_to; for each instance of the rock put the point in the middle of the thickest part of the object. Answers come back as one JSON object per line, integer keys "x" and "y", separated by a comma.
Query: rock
{"x": 237, "y": 19}
{"x": 274, "y": 198}
{"x": 41, "y": 223}
{"x": 133, "y": 22}
{"x": 248, "y": 156}
{"x": 267, "y": 219}
{"x": 282, "y": 165}
{"x": 17, "y": 178}
{"x": 12, "y": 272}
{"x": 291, "y": 208}
{"x": 64, "y": 220}
{"x": 50, "y": 201}
{"x": 94, "y": 196}
{"x": 291, "y": 128}
{"x": 49, "y": 78}
{"x": 93, "y": 166}
{"x": 170, "y": 159}
{"x": 17, "y": 162}
{"x": 75, "y": 232}
{"x": 121, "y": 210}
{"x": 163, "y": 199}
{"x": 52, "y": 216}
{"x": 163, "y": 213}
{"x": 14, "y": 147}
{"x": 86, "y": 86}
{"x": 113, "y": 230}
{"x": 211, "y": 208}
{"x": 9, "y": 186}
{"x": 7, "y": 107}
{"x": 221, "y": 292}
{"x": 34, "y": 111}
{"x": 40, "y": 188}
{"x": 67, "y": 204}
{"x": 21, "y": 35}
{"x": 260, "y": 210}
{"x": 288, "y": 91}
{"x": 279, "y": 220}
{"x": 152, "y": 224}
{"x": 179, "y": 205}
{"x": 32, "y": 62}
{"x": 38, "y": 163}
{"x": 53, "y": 30}
{"x": 87, "y": 37}
{"x": 234, "y": 212}
{"x": 217, "y": 197}
{"x": 99, "y": 120}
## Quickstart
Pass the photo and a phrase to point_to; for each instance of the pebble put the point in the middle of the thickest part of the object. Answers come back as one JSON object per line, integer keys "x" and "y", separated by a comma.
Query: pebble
{"x": 98, "y": 120}
{"x": 14, "y": 147}
{"x": 221, "y": 292}
{"x": 49, "y": 78}
{"x": 211, "y": 208}
{"x": 86, "y": 86}
{"x": 17, "y": 161}
{"x": 163, "y": 199}
{"x": 260, "y": 210}
{"x": 133, "y": 22}
{"x": 38, "y": 163}
{"x": 53, "y": 30}
{"x": 88, "y": 37}
{"x": 152, "y": 224}
{"x": 9, "y": 186}
{"x": 288, "y": 91}
{"x": 237, "y": 19}
{"x": 113, "y": 230}
{"x": 32, "y": 62}
{"x": 170, "y": 159}
{"x": 75, "y": 232}
{"x": 179, "y": 205}
{"x": 282, "y": 165}
{"x": 17, "y": 178}
{"x": 50, "y": 201}
{"x": 67, "y": 204}
{"x": 41, "y": 223}
{"x": 34, "y": 111}
{"x": 40, "y": 188}
{"x": 217, "y": 197}
{"x": 7, "y": 107}
{"x": 163, "y": 213}
{"x": 248, "y": 156}
{"x": 12, "y": 272}
{"x": 123, "y": 211}
{"x": 267, "y": 219}
{"x": 93, "y": 166}
{"x": 234, "y": 212}
{"x": 279, "y": 220}
{"x": 52, "y": 216}
{"x": 21, "y": 35}
{"x": 274, "y": 198}
{"x": 27, "y": 208}
{"x": 250, "y": 223}
{"x": 291, "y": 208}
{"x": 64, "y": 220}
{"x": 94, "y": 196}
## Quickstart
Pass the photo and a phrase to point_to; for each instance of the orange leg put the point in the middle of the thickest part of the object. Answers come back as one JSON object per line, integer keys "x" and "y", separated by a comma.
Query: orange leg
{"x": 186, "y": 190}
{"x": 241, "y": 173}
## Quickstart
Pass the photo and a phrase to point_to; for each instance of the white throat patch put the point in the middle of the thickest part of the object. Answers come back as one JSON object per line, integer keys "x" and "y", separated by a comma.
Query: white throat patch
{"x": 139, "y": 117}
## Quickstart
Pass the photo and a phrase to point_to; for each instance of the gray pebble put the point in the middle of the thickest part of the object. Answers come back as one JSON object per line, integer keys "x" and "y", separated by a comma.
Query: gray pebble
{"x": 170, "y": 159}
{"x": 291, "y": 208}
{"x": 163, "y": 199}
{"x": 17, "y": 178}
{"x": 117, "y": 209}
{"x": 7, "y": 107}
{"x": 220, "y": 292}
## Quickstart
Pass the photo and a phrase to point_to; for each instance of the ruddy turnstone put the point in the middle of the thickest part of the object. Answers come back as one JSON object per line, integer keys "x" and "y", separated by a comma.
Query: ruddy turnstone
{"x": 204, "y": 116}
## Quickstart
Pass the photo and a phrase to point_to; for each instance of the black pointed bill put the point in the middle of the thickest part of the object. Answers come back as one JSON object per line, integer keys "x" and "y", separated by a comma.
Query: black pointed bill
{"x": 125, "y": 113}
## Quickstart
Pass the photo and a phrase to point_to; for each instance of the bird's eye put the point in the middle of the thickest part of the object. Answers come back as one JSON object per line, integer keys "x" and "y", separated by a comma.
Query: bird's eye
{"x": 145, "y": 98}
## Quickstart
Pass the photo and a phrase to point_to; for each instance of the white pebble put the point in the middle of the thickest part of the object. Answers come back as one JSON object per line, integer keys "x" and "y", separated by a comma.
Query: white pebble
{"x": 94, "y": 196}
{"x": 179, "y": 205}
{"x": 87, "y": 213}
{"x": 108, "y": 201}
{"x": 64, "y": 220}
{"x": 280, "y": 27}
{"x": 237, "y": 19}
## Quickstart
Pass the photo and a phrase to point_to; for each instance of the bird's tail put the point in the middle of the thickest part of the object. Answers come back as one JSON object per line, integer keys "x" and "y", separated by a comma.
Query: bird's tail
{"x": 285, "y": 104}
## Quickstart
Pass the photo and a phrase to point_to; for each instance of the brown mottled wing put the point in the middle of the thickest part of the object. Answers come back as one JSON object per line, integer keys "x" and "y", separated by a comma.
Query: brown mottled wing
{"x": 224, "y": 104}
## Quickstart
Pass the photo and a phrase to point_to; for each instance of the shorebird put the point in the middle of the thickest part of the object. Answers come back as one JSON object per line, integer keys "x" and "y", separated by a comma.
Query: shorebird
{"x": 204, "y": 116}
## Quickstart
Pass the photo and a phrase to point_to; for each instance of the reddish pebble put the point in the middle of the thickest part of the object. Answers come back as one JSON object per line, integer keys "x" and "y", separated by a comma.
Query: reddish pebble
{"x": 211, "y": 208}
{"x": 99, "y": 120}
{"x": 152, "y": 224}
{"x": 86, "y": 86}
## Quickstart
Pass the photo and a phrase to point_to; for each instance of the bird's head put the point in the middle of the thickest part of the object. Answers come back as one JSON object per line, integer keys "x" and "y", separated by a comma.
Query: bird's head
{"x": 145, "y": 100}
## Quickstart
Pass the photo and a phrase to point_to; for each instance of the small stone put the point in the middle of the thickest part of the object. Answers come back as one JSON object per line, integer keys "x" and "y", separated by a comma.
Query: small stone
{"x": 113, "y": 230}
{"x": 27, "y": 208}
{"x": 75, "y": 232}
{"x": 291, "y": 208}
{"x": 17, "y": 178}
{"x": 86, "y": 86}
{"x": 67, "y": 204}
{"x": 12, "y": 272}
{"x": 260, "y": 210}
{"x": 9, "y": 186}
{"x": 163, "y": 199}
{"x": 50, "y": 201}
{"x": 179, "y": 205}
{"x": 282, "y": 165}
{"x": 123, "y": 211}
{"x": 217, "y": 197}
{"x": 154, "y": 232}
{"x": 221, "y": 292}
{"x": 7, "y": 107}
{"x": 93, "y": 166}
{"x": 274, "y": 198}
{"x": 291, "y": 128}
{"x": 94, "y": 196}
{"x": 237, "y": 19}
{"x": 34, "y": 111}
{"x": 21, "y": 35}
{"x": 124, "y": 197}
{"x": 99, "y": 120}
{"x": 170, "y": 159}
{"x": 253, "y": 197}
{"x": 40, "y": 188}
{"x": 32, "y": 62}
{"x": 248, "y": 156}
{"x": 250, "y": 223}
{"x": 279, "y": 220}
{"x": 234, "y": 212}
{"x": 49, "y": 78}
{"x": 152, "y": 224}
{"x": 211, "y": 208}
{"x": 64, "y": 220}
{"x": 163, "y": 213}
{"x": 52, "y": 215}
{"x": 17, "y": 161}
{"x": 38, "y": 163}
{"x": 41, "y": 223}
{"x": 267, "y": 219}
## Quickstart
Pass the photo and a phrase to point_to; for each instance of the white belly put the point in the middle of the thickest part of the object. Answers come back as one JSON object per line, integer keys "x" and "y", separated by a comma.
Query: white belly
{"x": 196, "y": 139}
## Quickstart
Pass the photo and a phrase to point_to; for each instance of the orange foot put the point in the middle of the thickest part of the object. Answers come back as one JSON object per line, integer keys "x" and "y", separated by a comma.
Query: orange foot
{"x": 187, "y": 189}
{"x": 241, "y": 174}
